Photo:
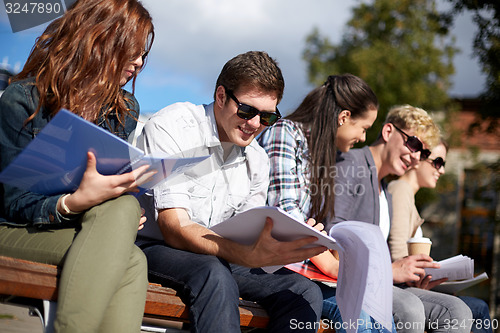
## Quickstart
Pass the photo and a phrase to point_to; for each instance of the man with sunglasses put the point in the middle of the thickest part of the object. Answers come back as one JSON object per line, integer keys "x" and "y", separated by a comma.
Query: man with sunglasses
{"x": 211, "y": 272}
{"x": 361, "y": 195}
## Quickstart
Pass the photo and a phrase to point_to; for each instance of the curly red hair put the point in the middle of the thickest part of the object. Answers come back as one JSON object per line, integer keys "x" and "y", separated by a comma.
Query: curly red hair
{"x": 78, "y": 61}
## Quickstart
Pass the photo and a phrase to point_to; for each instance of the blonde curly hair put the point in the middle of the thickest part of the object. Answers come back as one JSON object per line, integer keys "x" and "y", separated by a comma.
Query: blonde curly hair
{"x": 412, "y": 118}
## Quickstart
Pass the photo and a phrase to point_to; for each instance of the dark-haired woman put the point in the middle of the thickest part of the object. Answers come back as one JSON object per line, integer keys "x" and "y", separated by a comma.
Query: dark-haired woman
{"x": 302, "y": 150}
{"x": 81, "y": 62}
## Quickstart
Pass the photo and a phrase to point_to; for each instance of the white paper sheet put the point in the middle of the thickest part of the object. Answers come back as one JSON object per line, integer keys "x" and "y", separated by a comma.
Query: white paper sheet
{"x": 365, "y": 273}
{"x": 455, "y": 268}
{"x": 452, "y": 287}
{"x": 246, "y": 227}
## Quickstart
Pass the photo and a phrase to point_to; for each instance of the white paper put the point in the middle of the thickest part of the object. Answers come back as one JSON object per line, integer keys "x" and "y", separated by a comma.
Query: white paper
{"x": 365, "y": 273}
{"x": 246, "y": 227}
{"x": 452, "y": 287}
{"x": 455, "y": 268}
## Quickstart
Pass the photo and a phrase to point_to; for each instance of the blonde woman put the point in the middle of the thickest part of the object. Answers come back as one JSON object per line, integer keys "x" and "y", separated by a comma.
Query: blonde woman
{"x": 407, "y": 222}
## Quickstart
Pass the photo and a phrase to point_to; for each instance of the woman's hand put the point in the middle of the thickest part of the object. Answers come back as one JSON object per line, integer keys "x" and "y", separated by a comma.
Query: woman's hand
{"x": 142, "y": 220}
{"x": 96, "y": 188}
{"x": 316, "y": 225}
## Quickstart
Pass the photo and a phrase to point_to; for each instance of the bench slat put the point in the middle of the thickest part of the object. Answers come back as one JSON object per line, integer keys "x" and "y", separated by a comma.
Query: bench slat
{"x": 39, "y": 281}
{"x": 29, "y": 279}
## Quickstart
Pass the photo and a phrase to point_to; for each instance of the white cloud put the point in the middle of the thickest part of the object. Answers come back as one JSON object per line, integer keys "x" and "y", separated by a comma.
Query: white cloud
{"x": 197, "y": 37}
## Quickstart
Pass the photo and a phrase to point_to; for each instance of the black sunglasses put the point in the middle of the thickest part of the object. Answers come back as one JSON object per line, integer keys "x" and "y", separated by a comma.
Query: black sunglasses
{"x": 424, "y": 154}
{"x": 438, "y": 162}
{"x": 414, "y": 144}
{"x": 248, "y": 112}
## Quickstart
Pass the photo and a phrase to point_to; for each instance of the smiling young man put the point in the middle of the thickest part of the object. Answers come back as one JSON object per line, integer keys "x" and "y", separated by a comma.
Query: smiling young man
{"x": 364, "y": 197}
{"x": 211, "y": 272}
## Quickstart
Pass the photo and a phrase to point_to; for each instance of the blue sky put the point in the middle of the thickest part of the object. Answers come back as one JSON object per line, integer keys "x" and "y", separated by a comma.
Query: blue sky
{"x": 194, "y": 38}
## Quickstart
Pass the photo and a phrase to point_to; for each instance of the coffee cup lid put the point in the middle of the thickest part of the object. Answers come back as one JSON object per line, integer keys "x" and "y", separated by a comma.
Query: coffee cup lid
{"x": 419, "y": 240}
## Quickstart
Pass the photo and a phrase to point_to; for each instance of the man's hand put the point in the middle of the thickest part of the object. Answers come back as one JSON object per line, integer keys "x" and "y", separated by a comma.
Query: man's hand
{"x": 411, "y": 268}
{"x": 182, "y": 233}
{"x": 267, "y": 251}
{"x": 426, "y": 283}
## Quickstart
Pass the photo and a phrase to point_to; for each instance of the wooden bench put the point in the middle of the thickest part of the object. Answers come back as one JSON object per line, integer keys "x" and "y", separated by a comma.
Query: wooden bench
{"x": 37, "y": 281}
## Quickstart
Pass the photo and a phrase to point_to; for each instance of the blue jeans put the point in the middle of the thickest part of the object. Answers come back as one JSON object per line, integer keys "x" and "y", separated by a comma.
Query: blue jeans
{"x": 331, "y": 312}
{"x": 212, "y": 288}
{"x": 480, "y": 313}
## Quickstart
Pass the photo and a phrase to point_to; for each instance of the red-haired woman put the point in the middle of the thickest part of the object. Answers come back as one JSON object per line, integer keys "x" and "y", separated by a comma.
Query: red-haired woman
{"x": 81, "y": 62}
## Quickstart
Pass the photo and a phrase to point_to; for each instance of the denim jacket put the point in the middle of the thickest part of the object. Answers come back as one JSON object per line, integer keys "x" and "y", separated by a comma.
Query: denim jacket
{"x": 17, "y": 103}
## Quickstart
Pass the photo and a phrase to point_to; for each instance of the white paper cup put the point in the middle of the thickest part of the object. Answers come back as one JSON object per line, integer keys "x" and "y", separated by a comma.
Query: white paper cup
{"x": 419, "y": 245}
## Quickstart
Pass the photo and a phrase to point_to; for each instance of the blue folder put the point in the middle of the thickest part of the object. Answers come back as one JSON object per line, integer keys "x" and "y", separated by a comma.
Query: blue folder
{"x": 54, "y": 162}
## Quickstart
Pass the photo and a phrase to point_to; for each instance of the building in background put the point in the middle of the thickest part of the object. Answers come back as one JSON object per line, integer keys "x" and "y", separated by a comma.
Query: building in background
{"x": 463, "y": 214}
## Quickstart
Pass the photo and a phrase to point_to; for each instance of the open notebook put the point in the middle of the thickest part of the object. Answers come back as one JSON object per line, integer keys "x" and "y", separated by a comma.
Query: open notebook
{"x": 54, "y": 162}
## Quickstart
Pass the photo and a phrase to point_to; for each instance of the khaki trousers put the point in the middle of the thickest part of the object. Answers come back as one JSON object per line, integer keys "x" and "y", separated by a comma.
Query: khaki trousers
{"x": 103, "y": 282}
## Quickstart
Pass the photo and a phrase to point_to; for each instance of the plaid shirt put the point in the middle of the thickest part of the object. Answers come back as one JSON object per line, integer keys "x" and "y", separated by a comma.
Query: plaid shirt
{"x": 286, "y": 146}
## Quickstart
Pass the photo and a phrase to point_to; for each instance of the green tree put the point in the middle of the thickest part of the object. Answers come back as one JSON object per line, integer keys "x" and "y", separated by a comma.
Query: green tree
{"x": 399, "y": 48}
{"x": 486, "y": 16}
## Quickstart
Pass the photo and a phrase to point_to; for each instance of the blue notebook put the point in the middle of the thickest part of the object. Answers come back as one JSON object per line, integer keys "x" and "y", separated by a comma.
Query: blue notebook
{"x": 54, "y": 162}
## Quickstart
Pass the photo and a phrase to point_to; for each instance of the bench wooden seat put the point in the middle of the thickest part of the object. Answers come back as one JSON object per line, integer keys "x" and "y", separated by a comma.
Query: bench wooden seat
{"x": 33, "y": 280}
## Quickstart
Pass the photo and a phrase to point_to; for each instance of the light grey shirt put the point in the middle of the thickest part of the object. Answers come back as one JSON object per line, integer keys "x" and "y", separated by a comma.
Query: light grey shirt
{"x": 215, "y": 189}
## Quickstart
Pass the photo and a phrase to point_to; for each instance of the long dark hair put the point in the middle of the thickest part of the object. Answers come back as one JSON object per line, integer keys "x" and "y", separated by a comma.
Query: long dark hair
{"x": 318, "y": 113}
{"x": 78, "y": 61}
